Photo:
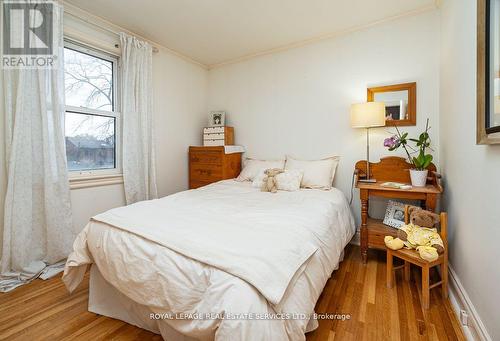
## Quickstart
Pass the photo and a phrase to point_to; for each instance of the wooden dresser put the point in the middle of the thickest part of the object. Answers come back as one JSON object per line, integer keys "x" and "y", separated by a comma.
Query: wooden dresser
{"x": 393, "y": 169}
{"x": 212, "y": 164}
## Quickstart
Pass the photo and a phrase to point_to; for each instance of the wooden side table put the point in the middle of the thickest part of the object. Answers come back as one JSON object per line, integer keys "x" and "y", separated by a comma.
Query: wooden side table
{"x": 393, "y": 169}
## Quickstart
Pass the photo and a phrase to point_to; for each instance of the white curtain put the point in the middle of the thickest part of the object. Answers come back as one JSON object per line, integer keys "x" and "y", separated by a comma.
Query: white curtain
{"x": 137, "y": 115}
{"x": 37, "y": 221}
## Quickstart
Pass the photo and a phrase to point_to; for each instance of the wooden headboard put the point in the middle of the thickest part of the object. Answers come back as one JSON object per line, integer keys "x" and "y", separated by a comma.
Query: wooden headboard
{"x": 393, "y": 168}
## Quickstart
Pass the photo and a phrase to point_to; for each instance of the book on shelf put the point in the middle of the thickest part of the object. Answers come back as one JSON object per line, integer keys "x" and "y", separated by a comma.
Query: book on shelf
{"x": 397, "y": 185}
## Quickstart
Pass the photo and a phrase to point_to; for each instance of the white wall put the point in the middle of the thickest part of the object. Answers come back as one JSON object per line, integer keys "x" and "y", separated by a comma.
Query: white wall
{"x": 472, "y": 180}
{"x": 179, "y": 114}
{"x": 297, "y": 101}
{"x": 180, "y": 90}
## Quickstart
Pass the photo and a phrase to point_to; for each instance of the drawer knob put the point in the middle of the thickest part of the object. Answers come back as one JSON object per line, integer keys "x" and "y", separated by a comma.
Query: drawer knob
{"x": 205, "y": 171}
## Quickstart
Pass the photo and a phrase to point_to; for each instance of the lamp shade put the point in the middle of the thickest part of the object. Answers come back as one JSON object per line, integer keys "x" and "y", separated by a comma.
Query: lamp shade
{"x": 367, "y": 115}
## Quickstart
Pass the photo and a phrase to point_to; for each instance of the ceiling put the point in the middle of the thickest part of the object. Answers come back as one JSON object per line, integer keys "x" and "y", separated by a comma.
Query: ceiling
{"x": 218, "y": 31}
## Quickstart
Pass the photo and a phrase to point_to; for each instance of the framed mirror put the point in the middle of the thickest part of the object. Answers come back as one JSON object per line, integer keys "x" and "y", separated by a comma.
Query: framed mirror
{"x": 488, "y": 72}
{"x": 400, "y": 103}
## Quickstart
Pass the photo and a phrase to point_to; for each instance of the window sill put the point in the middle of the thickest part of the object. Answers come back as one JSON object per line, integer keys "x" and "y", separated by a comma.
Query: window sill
{"x": 95, "y": 181}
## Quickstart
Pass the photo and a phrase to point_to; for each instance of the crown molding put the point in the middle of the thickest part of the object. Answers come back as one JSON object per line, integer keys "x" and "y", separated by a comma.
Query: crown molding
{"x": 106, "y": 25}
{"x": 327, "y": 36}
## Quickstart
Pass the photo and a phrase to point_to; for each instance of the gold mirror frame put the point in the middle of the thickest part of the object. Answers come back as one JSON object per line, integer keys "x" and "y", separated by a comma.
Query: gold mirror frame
{"x": 482, "y": 137}
{"x": 412, "y": 101}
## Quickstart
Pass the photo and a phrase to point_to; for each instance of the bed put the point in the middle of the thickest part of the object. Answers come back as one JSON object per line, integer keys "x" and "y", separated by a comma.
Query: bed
{"x": 223, "y": 262}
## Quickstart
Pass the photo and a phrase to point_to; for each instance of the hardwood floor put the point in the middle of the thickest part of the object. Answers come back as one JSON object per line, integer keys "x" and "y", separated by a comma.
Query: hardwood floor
{"x": 378, "y": 313}
{"x": 43, "y": 310}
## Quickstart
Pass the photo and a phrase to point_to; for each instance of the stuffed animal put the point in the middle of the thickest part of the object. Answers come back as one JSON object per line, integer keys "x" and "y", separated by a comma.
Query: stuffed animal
{"x": 421, "y": 217}
{"x": 393, "y": 243}
{"x": 426, "y": 234}
{"x": 269, "y": 183}
{"x": 425, "y": 240}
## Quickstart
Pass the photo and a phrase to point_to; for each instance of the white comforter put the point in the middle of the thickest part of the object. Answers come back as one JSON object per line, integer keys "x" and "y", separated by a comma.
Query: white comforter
{"x": 222, "y": 249}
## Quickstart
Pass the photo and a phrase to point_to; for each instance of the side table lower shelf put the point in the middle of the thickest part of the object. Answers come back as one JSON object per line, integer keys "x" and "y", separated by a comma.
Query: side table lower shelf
{"x": 373, "y": 236}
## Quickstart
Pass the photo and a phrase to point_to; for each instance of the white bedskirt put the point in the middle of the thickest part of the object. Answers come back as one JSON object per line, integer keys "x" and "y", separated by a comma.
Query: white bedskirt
{"x": 106, "y": 300}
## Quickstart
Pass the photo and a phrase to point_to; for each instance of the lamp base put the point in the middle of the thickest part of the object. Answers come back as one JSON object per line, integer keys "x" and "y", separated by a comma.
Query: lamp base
{"x": 370, "y": 181}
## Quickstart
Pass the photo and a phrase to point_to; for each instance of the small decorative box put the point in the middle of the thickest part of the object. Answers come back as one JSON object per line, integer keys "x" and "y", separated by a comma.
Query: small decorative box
{"x": 218, "y": 136}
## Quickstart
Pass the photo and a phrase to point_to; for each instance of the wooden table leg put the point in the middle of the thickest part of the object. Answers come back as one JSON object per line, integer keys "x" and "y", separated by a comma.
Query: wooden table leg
{"x": 364, "y": 230}
{"x": 389, "y": 269}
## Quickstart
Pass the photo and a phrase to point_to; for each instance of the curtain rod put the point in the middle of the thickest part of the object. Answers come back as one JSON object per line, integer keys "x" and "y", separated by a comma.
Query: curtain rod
{"x": 155, "y": 49}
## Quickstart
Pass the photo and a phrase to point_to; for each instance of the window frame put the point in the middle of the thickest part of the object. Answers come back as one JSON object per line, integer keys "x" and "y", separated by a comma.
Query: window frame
{"x": 114, "y": 113}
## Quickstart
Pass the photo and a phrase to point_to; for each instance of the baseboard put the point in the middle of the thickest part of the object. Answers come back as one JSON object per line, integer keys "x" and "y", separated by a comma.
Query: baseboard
{"x": 475, "y": 329}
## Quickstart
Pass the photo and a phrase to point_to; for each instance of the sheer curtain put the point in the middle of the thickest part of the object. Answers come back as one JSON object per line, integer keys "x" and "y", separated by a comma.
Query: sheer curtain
{"x": 37, "y": 221}
{"x": 139, "y": 174}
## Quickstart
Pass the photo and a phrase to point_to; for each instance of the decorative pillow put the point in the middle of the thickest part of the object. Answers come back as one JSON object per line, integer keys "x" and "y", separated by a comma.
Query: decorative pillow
{"x": 252, "y": 167}
{"x": 318, "y": 174}
{"x": 259, "y": 178}
{"x": 287, "y": 181}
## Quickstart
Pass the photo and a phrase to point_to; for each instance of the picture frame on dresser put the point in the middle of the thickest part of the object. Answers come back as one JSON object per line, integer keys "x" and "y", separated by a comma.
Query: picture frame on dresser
{"x": 216, "y": 118}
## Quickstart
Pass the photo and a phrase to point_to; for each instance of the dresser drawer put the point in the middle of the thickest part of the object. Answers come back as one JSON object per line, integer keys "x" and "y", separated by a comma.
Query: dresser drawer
{"x": 212, "y": 164}
{"x": 205, "y": 172}
{"x": 205, "y": 158}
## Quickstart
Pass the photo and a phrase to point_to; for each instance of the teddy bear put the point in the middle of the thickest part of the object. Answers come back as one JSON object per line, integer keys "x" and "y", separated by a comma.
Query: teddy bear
{"x": 419, "y": 234}
{"x": 269, "y": 183}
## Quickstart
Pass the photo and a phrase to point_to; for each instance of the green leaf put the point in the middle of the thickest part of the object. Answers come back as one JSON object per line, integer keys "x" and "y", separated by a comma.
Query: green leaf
{"x": 422, "y": 161}
{"x": 428, "y": 159}
{"x": 416, "y": 162}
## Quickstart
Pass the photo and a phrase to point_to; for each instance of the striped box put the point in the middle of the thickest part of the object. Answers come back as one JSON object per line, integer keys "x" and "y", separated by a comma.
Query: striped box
{"x": 218, "y": 136}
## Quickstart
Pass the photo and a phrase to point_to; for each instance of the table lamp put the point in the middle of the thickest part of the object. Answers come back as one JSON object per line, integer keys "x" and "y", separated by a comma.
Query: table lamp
{"x": 368, "y": 115}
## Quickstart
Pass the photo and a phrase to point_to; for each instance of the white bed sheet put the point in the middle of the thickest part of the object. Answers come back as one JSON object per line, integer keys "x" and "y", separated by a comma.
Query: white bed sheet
{"x": 165, "y": 281}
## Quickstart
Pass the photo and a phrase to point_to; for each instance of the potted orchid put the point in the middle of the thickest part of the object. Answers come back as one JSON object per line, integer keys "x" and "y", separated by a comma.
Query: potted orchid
{"x": 417, "y": 155}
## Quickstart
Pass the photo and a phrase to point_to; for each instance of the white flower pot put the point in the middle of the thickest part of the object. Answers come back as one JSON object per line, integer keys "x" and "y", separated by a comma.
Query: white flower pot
{"x": 418, "y": 177}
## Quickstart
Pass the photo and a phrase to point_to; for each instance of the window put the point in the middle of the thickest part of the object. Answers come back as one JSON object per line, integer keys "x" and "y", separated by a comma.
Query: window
{"x": 92, "y": 118}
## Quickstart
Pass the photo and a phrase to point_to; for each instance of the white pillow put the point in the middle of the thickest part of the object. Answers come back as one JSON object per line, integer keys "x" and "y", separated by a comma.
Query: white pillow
{"x": 318, "y": 174}
{"x": 289, "y": 180}
{"x": 252, "y": 167}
